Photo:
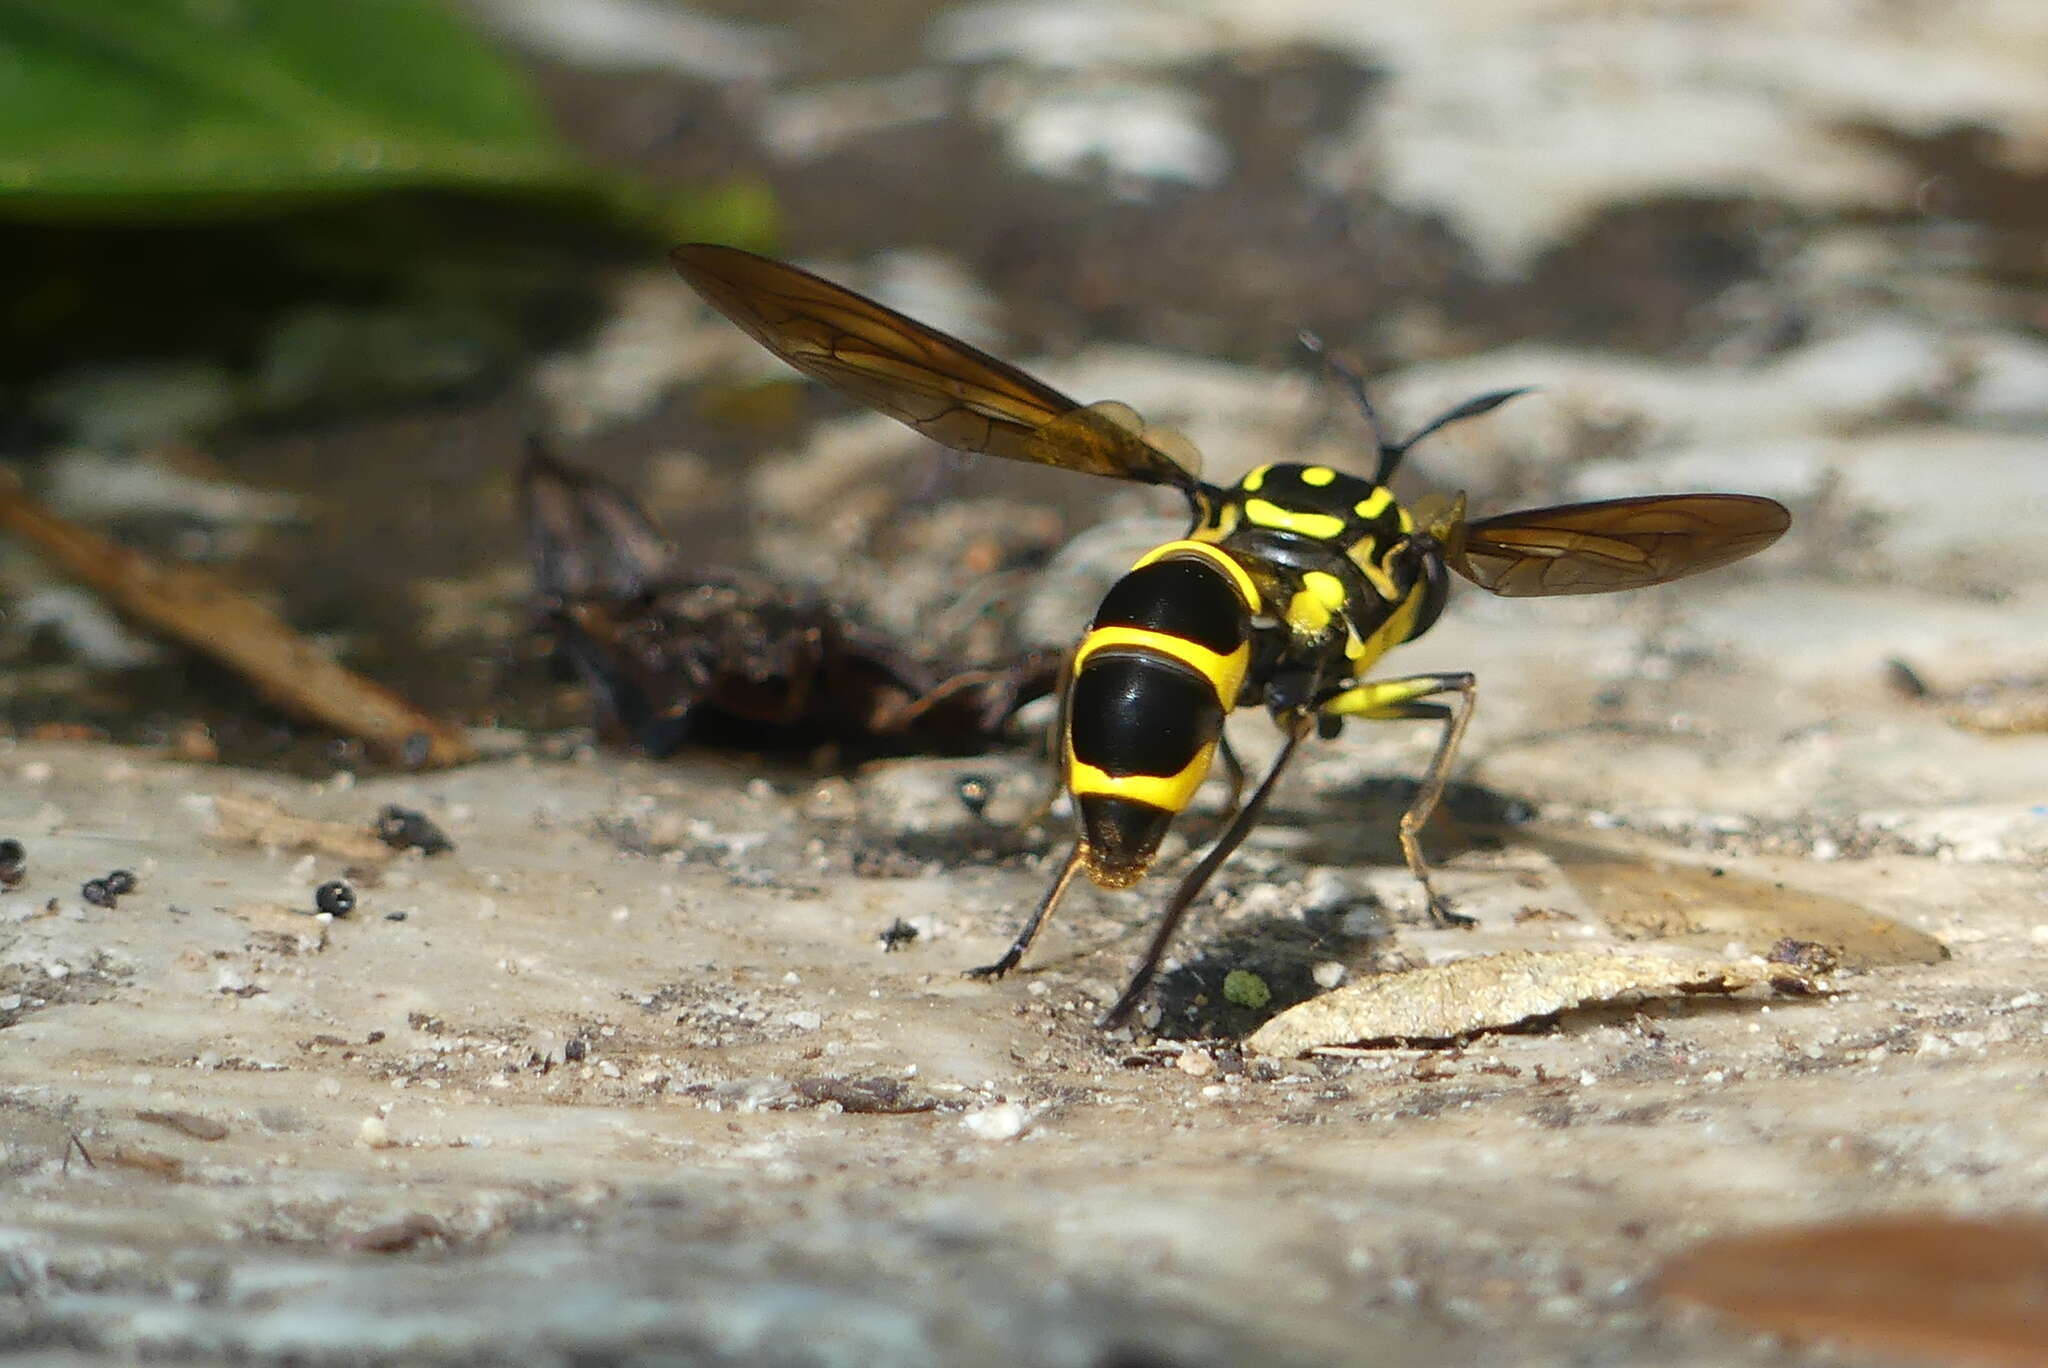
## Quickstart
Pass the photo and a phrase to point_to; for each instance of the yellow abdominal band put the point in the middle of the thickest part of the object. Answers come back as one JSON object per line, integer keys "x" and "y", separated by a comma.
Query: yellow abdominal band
{"x": 1169, "y": 792}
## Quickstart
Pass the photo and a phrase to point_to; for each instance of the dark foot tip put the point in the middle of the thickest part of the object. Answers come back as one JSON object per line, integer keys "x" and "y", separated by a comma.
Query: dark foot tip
{"x": 1440, "y": 914}
{"x": 987, "y": 973}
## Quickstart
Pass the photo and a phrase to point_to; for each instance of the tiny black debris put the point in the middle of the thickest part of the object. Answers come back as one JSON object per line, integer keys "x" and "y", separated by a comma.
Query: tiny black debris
{"x": 897, "y": 934}
{"x": 120, "y": 883}
{"x": 13, "y": 858}
{"x": 574, "y": 1049}
{"x": 335, "y": 898}
{"x": 404, "y": 829}
{"x": 97, "y": 892}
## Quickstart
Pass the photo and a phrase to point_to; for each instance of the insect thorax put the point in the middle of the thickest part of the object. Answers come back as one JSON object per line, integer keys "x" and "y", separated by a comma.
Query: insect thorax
{"x": 1336, "y": 557}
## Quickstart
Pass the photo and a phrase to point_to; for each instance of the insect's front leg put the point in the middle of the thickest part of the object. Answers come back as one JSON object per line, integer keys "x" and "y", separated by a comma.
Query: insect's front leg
{"x": 1399, "y": 699}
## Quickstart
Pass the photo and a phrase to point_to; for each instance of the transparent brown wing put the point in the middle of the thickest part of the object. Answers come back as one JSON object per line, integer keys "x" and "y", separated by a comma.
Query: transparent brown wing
{"x": 1593, "y": 548}
{"x": 951, "y": 392}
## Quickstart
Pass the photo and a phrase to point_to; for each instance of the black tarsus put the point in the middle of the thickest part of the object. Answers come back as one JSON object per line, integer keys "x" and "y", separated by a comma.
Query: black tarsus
{"x": 1030, "y": 930}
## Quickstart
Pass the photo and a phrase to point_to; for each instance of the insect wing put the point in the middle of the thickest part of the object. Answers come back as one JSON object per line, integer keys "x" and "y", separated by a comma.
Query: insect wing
{"x": 1594, "y": 548}
{"x": 955, "y": 394}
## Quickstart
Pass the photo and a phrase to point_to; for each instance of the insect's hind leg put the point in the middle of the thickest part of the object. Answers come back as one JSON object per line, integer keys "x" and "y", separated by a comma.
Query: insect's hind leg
{"x": 1031, "y": 926}
{"x": 1399, "y": 699}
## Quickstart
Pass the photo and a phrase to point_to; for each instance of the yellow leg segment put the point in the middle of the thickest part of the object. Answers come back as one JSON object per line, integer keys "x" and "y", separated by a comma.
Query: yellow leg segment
{"x": 1393, "y": 699}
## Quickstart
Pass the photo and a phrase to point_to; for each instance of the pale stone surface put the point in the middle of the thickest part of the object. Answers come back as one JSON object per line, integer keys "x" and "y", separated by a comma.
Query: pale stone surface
{"x": 726, "y": 1125}
{"x": 635, "y": 1081}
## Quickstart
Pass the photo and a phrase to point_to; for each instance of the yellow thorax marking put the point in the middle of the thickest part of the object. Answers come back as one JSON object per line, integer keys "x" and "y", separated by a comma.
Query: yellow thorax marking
{"x": 1374, "y": 504}
{"x": 1365, "y": 555}
{"x": 1317, "y": 475}
{"x": 1252, "y": 482}
{"x": 1326, "y": 587}
{"x": 1391, "y": 633}
{"x": 1320, "y": 597}
{"x": 1221, "y": 559}
{"x": 1226, "y": 672}
{"x": 1321, "y": 526}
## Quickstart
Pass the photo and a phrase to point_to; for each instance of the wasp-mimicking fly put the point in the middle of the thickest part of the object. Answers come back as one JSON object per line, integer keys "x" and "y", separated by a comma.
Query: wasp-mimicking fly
{"x": 1285, "y": 591}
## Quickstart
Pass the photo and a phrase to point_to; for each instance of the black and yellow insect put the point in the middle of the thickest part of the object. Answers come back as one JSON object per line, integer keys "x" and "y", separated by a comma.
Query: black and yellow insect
{"x": 1284, "y": 593}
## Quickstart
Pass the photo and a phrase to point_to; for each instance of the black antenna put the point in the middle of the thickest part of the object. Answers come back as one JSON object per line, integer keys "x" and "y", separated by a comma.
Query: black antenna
{"x": 1345, "y": 371}
{"x": 1471, "y": 408}
{"x": 1347, "y": 374}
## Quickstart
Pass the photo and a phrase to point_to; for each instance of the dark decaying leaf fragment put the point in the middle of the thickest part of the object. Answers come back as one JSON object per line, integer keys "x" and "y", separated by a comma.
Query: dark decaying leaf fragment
{"x": 1919, "y": 1288}
{"x": 674, "y": 656}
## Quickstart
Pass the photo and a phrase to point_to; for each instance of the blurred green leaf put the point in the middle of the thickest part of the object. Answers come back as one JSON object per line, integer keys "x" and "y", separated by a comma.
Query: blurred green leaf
{"x": 123, "y": 110}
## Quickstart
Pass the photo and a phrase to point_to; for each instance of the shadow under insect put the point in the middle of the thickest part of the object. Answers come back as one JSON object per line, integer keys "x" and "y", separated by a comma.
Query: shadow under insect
{"x": 676, "y": 656}
{"x": 1357, "y": 825}
{"x": 1351, "y": 829}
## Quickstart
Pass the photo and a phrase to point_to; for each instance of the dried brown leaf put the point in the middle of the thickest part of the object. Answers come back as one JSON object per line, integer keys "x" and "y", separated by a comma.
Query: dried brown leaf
{"x": 1444, "y": 1001}
{"x": 250, "y": 820}
{"x": 207, "y": 613}
{"x": 143, "y": 1161}
{"x": 190, "y": 1123}
{"x": 1932, "y": 1289}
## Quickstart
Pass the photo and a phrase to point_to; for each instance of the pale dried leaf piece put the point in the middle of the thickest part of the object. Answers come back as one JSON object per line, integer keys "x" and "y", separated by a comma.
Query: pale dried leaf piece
{"x": 1444, "y": 1001}
{"x": 249, "y": 820}
{"x": 1934, "y": 1290}
{"x": 1643, "y": 896}
{"x": 143, "y": 1161}
{"x": 190, "y": 1123}
{"x": 210, "y": 615}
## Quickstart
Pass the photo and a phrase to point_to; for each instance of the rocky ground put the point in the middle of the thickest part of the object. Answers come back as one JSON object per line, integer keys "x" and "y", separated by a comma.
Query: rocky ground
{"x": 633, "y": 1075}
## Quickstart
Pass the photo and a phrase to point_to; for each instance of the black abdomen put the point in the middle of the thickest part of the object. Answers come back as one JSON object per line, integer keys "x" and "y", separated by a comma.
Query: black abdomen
{"x": 1153, "y": 680}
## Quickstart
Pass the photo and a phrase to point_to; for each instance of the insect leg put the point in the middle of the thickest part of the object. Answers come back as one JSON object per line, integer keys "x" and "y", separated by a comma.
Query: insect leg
{"x": 1036, "y": 920}
{"x": 1403, "y": 698}
{"x": 1198, "y": 877}
{"x": 1233, "y": 776}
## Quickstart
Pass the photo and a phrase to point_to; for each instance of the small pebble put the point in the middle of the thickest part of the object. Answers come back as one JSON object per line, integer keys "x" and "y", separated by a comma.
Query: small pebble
{"x": 96, "y": 892}
{"x": 335, "y": 898}
{"x": 404, "y": 829}
{"x": 975, "y": 791}
{"x": 1003, "y": 1121}
{"x": 120, "y": 882}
